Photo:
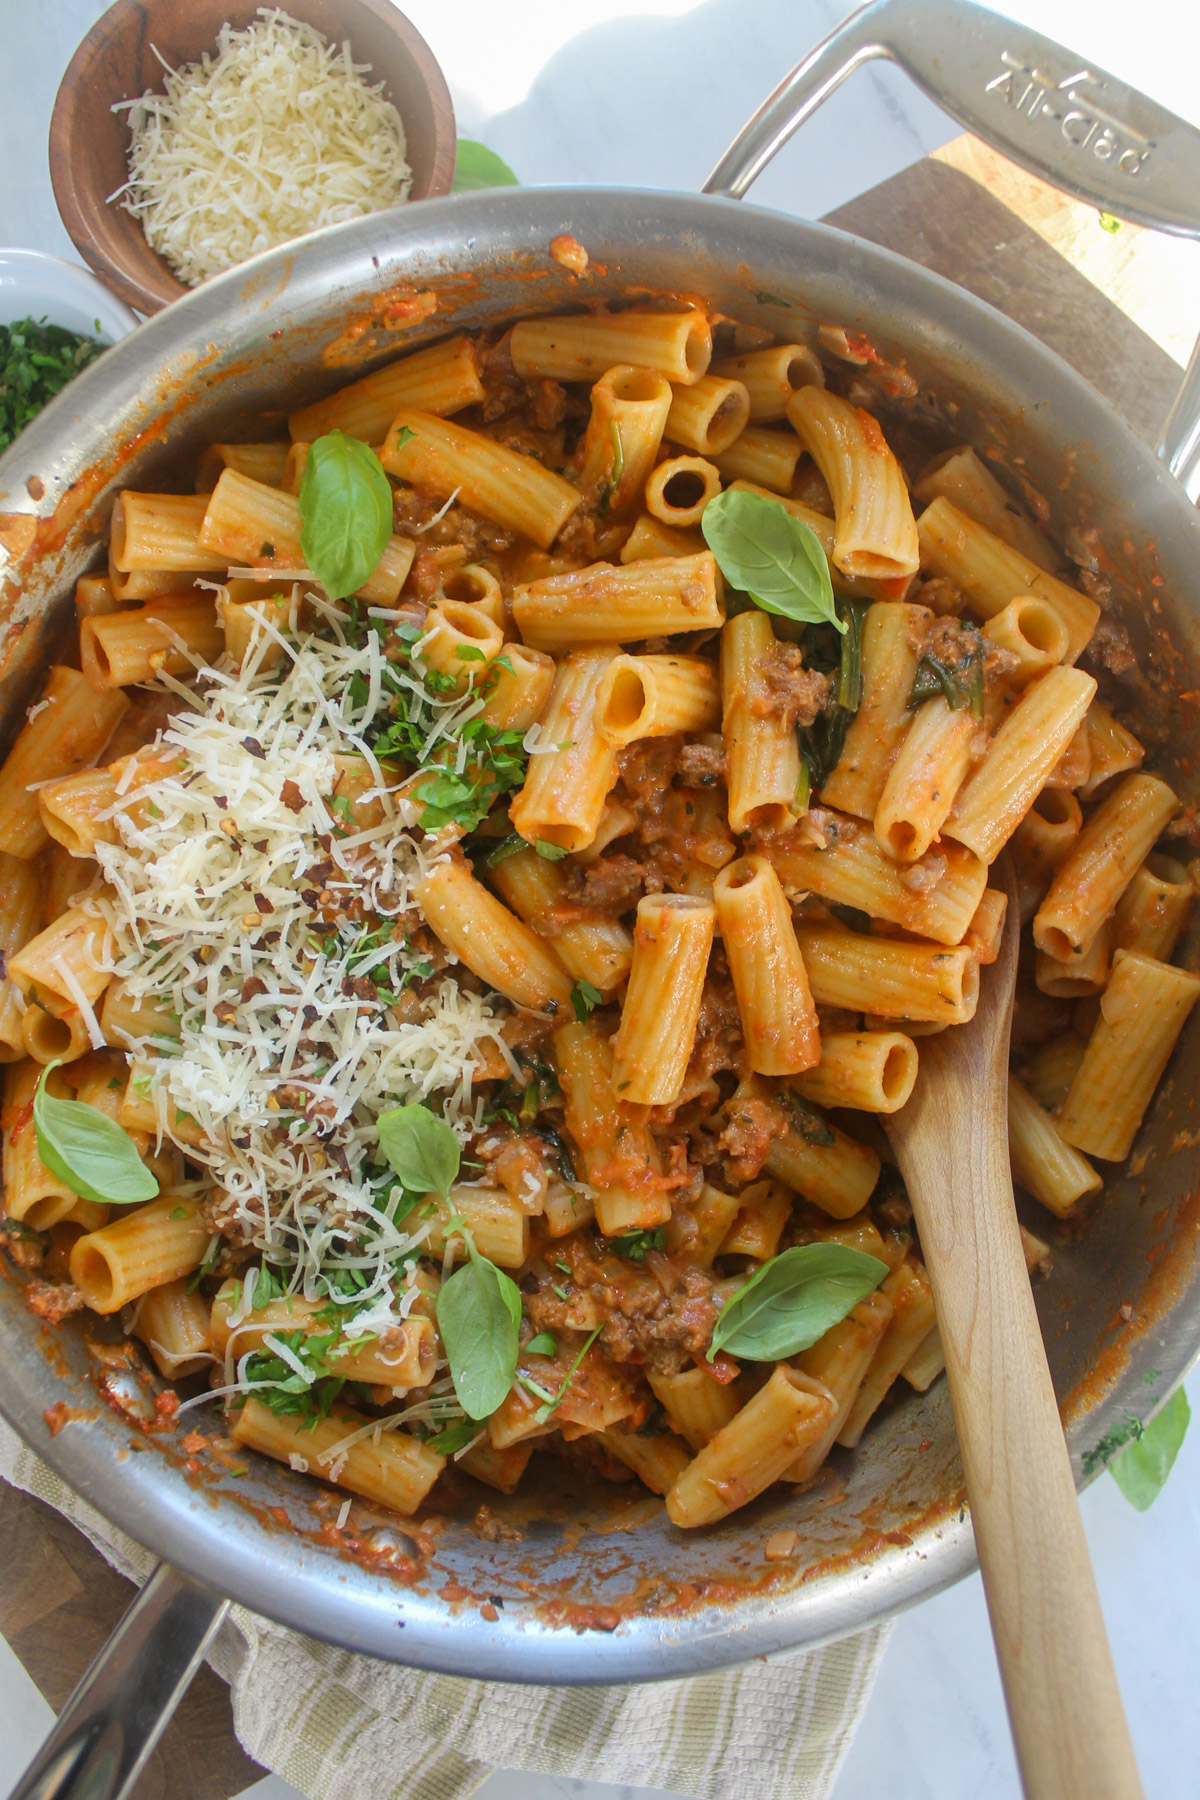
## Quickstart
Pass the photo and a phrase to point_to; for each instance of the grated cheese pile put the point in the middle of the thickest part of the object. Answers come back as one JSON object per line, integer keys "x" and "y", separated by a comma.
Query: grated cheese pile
{"x": 244, "y": 895}
{"x": 275, "y": 135}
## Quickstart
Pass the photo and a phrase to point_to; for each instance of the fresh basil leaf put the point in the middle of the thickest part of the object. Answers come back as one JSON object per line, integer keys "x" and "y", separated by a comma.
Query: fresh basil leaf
{"x": 453, "y": 1437}
{"x": 633, "y": 1245}
{"x": 478, "y": 167}
{"x": 793, "y": 1300}
{"x": 346, "y": 512}
{"x": 422, "y": 1149}
{"x": 478, "y": 1315}
{"x": 775, "y": 558}
{"x": 512, "y": 845}
{"x": 544, "y": 1344}
{"x": 585, "y": 998}
{"x": 1141, "y": 1468}
{"x": 89, "y": 1151}
{"x": 549, "y": 852}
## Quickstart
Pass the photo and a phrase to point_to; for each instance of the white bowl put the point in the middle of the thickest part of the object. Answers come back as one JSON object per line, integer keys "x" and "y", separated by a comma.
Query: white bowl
{"x": 35, "y": 286}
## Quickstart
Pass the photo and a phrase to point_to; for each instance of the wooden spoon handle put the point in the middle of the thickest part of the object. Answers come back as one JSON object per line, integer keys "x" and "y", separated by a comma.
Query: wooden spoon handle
{"x": 1063, "y": 1701}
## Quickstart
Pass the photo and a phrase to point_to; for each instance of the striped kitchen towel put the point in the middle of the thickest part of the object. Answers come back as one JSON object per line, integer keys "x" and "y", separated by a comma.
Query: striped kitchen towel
{"x": 346, "y": 1727}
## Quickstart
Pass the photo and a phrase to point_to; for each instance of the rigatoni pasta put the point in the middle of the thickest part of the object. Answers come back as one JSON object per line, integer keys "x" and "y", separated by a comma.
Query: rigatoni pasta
{"x": 552, "y": 913}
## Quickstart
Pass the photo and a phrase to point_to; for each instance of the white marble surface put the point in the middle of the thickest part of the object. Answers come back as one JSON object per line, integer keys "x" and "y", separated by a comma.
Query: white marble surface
{"x": 648, "y": 92}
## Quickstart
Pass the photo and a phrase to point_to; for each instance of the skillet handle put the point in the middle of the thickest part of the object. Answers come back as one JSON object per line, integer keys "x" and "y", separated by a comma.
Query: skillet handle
{"x": 1091, "y": 135}
{"x": 116, "y": 1715}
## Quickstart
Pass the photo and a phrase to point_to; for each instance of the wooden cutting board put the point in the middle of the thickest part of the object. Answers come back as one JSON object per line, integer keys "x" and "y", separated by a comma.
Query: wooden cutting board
{"x": 1123, "y": 308}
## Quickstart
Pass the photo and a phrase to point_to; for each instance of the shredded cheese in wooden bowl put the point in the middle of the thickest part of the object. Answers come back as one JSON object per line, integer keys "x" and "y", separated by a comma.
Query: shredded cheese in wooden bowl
{"x": 273, "y": 136}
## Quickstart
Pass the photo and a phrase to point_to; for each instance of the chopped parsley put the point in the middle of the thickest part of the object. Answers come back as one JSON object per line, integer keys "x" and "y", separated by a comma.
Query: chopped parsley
{"x": 37, "y": 361}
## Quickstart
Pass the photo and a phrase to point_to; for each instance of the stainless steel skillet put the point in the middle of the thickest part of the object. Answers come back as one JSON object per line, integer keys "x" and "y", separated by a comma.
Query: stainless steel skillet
{"x": 274, "y": 332}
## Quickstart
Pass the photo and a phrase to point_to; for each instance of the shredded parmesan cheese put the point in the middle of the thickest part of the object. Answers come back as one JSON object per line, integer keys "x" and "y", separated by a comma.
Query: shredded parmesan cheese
{"x": 291, "y": 1041}
{"x": 275, "y": 135}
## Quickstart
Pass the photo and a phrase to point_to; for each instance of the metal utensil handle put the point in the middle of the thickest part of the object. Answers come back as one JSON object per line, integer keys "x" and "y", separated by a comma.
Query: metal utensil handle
{"x": 116, "y": 1715}
{"x": 1090, "y": 134}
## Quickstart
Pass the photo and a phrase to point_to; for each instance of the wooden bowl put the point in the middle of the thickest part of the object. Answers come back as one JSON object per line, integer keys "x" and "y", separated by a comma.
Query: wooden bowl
{"x": 89, "y": 143}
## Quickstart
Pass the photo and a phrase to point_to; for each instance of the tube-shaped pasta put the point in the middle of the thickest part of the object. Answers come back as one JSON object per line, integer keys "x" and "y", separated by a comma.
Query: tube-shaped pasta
{"x": 497, "y": 1222}
{"x": 679, "y": 489}
{"x": 876, "y": 532}
{"x": 657, "y": 1461}
{"x": 907, "y": 1287}
{"x": 986, "y": 929}
{"x": 69, "y": 728}
{"x": 753, "y": 1450}
{"x": 871, "y": 1071}
{"x": 1154, "y": 909}
{"x": 568, "y": 780}
{"x": 620, "y": 1157}
{"x": 1041, "y": 842}
{"x": 990, "y": 572}
{"x": 961, "y": 477}
{"x": 126, "y": 1021}
{"x": 1052, "y": 1068}
{"x": 515, "y": 696}
{"x": 707, "y": 415}
{"x": 1142, "y": 1012}
{"x": 813, "y": 1158}
{"x": 143, "y": 1248}
{"x": 597, "y": 951}
{"x": 924, "y": 780}
{"x": 763, "y": 1212}
{"x": 696, "y": 1404}
{"x": 888, "y": 977}
{"x": 400, "y": 1357}
{"x": 32, "y": 1195}
{"x": 582, "y": 347}
{"x": 503, "y": 1469}
{"x": 1101, "y": 863}
{"x": 161, "y": 531}
{"x": 853, "y": 870}
{"x": 506, "y": 487}
{"x": 698, "y": 1230}
{"x": 651, "y": 538}
{"x": 652, "y": 597}
{"x": 629, "y": 411}
{"x": 260, "y": 527}
{"x": 779, "y": 1020}
{"x": 839, "y": 1361}
{"x": 771, "y": 376}
{"x": 475, "y": 583}
{"x": 494, "y": 943}
{"x": 890, "y": 655}
{"x": 54, "y": 1037}
{"x": 767, "y": 458}
{"x": 174, "y": 1326}
{"x": 1074, "y": 765}
{"x": 762, "y": 754}
{"x": 20, "y": 910}
{"x": 94, "y": 594}
{"x": 656, "y": 696}
{"x": 396, "y": 1472}
{"x": 130, "y": 589}
{"x": 1019, "y": 761}
{"x": 926, "y": 1363}
{"x": 173, "y": 636}
{"x": 1114, "y": 749}
{"x": 1085, "y": 974}
{"x": 440, "y": 380}
{"x": 1030, "y": 629}
{"x": 262, "y": 462}
{"x": 1043, "y": 1162}
{"x": 246, "y": 622}
{"x": 460, "y": 639}
{"x": 652, "y": 1048}
{"x": 65, "y": 961}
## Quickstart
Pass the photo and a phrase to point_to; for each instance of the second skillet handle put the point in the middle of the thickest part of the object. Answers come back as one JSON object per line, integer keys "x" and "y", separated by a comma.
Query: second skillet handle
{"x": 1090, "y": 134}
{"x": 112, "y": 1721}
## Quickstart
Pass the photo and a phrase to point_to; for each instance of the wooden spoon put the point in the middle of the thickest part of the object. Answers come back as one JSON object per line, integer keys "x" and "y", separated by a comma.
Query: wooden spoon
{"x": 951, "y": 1142}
